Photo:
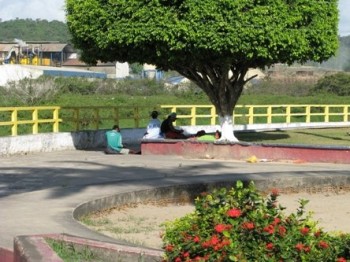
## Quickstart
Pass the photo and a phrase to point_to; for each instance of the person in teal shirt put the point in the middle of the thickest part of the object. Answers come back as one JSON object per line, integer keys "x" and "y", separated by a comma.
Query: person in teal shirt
{"x": 115, "y": 142}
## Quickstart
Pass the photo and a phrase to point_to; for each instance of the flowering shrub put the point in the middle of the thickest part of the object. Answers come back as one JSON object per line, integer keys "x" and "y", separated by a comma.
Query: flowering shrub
{"x": 241, "y": 225}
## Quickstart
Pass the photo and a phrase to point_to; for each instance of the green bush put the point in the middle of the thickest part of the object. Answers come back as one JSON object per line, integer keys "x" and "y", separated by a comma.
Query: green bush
{"x": 241, "y": 225}
{"x": 29, "y": 91}
{"x": 337, "y": 84}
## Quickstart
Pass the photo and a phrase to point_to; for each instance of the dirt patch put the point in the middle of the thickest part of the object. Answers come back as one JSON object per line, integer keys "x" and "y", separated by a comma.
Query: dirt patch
{"x": 142, "y": 224}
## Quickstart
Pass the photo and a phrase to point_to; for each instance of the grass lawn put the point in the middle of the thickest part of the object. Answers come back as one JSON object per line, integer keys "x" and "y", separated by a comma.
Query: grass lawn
{"x": 324, "y": 136}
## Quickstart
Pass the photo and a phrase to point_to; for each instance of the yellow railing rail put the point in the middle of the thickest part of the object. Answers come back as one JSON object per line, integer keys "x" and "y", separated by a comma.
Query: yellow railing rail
{"x": 40, "y": 119}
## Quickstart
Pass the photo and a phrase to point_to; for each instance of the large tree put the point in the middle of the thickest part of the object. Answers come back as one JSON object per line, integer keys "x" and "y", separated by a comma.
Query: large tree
{"x": 211, "y": 42}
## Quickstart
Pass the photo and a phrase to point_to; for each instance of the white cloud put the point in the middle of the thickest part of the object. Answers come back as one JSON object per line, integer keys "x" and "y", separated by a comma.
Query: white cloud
{"x": 54, "y": 10}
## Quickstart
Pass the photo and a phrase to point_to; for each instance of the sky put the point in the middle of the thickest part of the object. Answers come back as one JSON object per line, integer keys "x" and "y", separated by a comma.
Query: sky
{"x": 54, "y": 10}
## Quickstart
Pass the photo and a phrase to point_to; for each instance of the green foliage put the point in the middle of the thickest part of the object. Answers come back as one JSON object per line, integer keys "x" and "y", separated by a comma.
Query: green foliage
{"x": 241, "y": 225}
{"x": 170, "y": 34}
{"x": 38, "y": 30}
{"x": 337, "y": 84}
{"x": 136, "y": 68}
{"x": 273, "y": 87}
{"x": 205, "y": 40}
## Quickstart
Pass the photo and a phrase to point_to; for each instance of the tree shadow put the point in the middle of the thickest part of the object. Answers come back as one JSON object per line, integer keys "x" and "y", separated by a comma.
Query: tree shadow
{"x": 261, "y": 136}
{"x": 72, "y": 173}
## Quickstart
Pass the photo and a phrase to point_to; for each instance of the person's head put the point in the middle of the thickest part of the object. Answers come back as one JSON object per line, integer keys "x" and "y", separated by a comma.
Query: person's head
{"x": 154, "y": 114}
{"x": 116, "y": 128}
{"x": 217, "y": 134}
{"x": 172, "y": 116}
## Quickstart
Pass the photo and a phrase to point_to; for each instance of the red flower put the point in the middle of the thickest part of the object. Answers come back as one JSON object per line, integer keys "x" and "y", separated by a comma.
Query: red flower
{"x": 222, "y": 227}
{"x": 269, "y": 229}
{"x": 234, "y": 212}
{"x": 226, "y": 242}
{"x": 276, "y": 221}
{"x": 169, "y": 248}
{"x": 299, "y": 247}
{"x": 178, "y": 259}
{"x": 282, "y": 230}
{"x": 269, "y": 246}
{"x": 307, "y": 249}
{"x": 341, "y": 259}
{"x": 248, "y": 225}
{"x": 323, "y": 244}
{"x": 206, "y": 244}
{"x": 317, "y": 233}
{"x": 186, "y": 254}
{"x": 304, "y": 230}
{"x": 214, "y": 240}
{"x": 275, "y": 192}
{"x": 196, "y": 239}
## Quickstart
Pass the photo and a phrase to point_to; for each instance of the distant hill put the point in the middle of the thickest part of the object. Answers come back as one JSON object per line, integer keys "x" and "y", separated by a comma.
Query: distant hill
{"x": 34, "y": 30}
{"x": 43, "y": 30}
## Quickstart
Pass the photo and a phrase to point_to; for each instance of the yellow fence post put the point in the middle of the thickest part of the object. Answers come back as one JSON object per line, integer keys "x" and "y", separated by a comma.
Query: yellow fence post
{"x": 14, "y": 129}
{"x": 251, "y": 115}
{"x": 193, "y": 116}
{"x": 35, "y": 127}
{"x": 308, "y": 114}
{"x": 346, "y": 113}
{"x": 213, "y": 115}
{"x": 326, "y": 114}
{"x": 269, "y": 114}
{"x": 116, "y": 115}
{"x": 96, "y": 118}
{"x": 288, "y": 116}
{"x": 56, "y": 120}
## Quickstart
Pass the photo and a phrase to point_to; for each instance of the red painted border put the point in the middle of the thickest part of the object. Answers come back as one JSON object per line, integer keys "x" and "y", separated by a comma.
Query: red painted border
{"x": 242, "y": 151}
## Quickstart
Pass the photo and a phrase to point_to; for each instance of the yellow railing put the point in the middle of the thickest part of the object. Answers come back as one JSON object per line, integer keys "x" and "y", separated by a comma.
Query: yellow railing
{"x": 266, "y": 114}
{"x": 40, "y": 119}
{"x": 14, "y": 117}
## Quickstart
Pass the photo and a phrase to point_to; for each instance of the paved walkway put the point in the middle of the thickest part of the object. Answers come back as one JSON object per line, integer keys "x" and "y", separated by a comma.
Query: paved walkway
{"x": 38, "y": 192}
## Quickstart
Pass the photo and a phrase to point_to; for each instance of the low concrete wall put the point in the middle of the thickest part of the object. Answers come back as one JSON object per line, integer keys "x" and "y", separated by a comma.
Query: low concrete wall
{"x": 82, "y": 140}
{"x": 243, "y": 151}
{"x": 63, "y": 141}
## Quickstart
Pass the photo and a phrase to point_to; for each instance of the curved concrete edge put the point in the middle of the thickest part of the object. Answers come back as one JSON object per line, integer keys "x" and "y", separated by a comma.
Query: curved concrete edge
{"x": 242, "y": 151}
{"x": 186, "y": 193}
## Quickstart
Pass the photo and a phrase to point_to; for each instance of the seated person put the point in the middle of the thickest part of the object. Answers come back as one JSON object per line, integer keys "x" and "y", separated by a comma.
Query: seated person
{"x": 169, "y": 131}
{"x": 115, "y": 142}
{"x": 153, "y": 127}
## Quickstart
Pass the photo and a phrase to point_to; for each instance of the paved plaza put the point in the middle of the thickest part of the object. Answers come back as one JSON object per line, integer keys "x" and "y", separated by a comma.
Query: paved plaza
{"x": 38, "y": 192}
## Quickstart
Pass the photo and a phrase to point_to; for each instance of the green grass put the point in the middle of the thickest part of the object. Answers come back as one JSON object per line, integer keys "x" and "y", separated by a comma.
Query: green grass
{"x": 324, "y": 136}
{"x": 69, "y": 252}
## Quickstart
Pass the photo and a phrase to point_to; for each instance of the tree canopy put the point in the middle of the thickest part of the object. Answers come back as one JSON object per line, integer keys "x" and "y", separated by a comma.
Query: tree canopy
{"x": 211, "y": 42}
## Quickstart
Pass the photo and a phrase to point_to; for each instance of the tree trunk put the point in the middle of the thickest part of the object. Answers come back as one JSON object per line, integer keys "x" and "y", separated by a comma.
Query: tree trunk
{"x": 223, "y": 84}
{"x": 226, "y": 124}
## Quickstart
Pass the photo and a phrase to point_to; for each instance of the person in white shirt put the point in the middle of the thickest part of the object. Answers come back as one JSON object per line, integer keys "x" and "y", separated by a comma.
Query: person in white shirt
{"x": 153, "y": 127}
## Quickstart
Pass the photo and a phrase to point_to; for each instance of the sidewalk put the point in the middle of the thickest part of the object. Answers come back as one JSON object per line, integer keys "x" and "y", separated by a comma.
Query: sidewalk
{"x": 38, "y": 192}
